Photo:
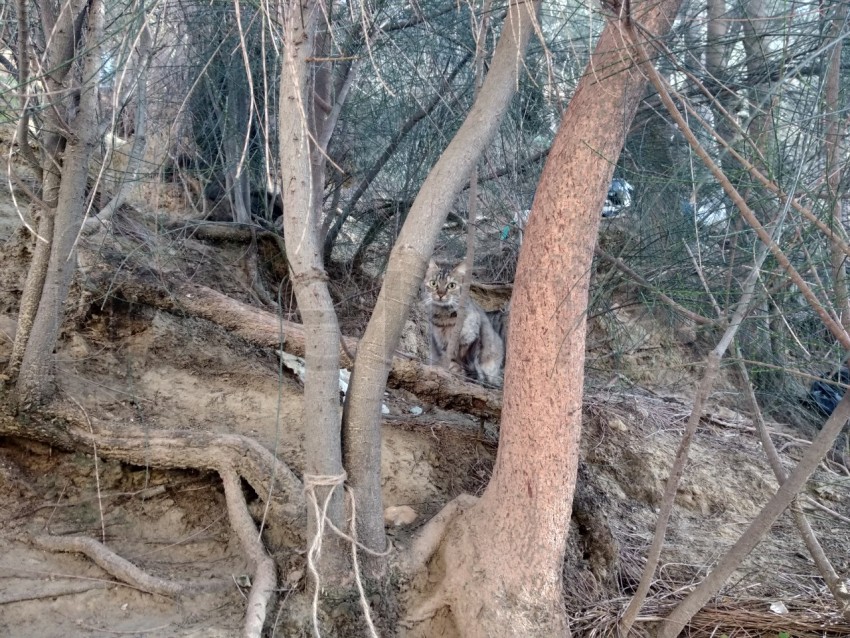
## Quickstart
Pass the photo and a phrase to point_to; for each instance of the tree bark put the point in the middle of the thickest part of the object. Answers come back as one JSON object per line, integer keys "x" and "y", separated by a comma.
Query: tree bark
{"x": 36, "y": 380}
{"x": 361, "y": 418}
{"x": 301, "y": 124}
{"x": 833, "y": 166}
{"x": 61, "y": 33}
{"x": 506, "y": 552}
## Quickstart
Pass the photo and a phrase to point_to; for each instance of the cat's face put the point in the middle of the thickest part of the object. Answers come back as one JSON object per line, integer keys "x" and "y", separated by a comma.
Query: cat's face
{"x": 443, "y": 284}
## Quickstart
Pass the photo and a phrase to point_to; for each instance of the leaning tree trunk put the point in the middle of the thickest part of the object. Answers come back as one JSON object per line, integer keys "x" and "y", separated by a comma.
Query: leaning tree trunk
{"x": 61, "y": 32}
{"x": 362, "y": 415}
{"x": 504, "y": 555}
{"x": 36, "y": 380}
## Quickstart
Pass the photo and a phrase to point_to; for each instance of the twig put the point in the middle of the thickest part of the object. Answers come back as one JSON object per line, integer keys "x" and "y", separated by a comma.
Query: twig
{"x": 53, "y": 590}
{"x": 823, "y": 508}
{"x": 96, "y": 470}
{"x": 701, "y": 275}
{"x": 621, "y": 265}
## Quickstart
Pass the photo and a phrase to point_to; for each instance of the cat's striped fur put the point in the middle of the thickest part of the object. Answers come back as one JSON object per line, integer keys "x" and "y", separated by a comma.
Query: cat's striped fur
{"x": 481, "y": 347}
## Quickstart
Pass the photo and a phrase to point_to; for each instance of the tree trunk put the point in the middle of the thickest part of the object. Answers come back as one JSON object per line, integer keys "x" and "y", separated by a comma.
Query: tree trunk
{"x": 362, "y": 416}
{"x": 302, "y": 168}
{"x": 833, "y": 165}
{"x": 52, "y": 149}
{"x": 36, "y": 381}
{"x": 506, "y": 552}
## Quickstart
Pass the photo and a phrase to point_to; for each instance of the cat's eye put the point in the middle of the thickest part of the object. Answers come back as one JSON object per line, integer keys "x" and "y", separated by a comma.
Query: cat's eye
{"x": 452, "y": 285}
{"x": 432, "y": 283}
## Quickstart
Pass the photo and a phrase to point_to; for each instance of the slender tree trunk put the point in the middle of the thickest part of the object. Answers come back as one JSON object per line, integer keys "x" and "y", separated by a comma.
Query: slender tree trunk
{"x": 37, "y": 272}
{"x": 61, "y": 33}
{"x": 507, "y": 551}
{"x": 36, "y": 380}
{"x": 362, "y": 416}
{"x": 22, "y": 133}
{"x": 832, "y": 151}
{"x": 302, "y": 168}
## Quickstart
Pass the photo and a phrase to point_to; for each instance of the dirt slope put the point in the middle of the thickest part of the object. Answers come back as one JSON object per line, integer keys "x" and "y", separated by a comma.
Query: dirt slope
{"x": 125, "y": 364}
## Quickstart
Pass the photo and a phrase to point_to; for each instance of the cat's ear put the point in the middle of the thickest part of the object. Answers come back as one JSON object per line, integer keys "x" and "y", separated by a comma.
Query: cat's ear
{"x": 432, "y": 266}
{"x": 460, "y": 269}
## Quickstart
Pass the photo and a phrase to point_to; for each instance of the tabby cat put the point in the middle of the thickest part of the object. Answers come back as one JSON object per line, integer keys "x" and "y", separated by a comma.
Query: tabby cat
{"x": 481, "y": 349}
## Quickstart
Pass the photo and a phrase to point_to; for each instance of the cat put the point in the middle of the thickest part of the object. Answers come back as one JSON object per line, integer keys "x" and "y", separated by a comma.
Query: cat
{"x": 481, "y": 349}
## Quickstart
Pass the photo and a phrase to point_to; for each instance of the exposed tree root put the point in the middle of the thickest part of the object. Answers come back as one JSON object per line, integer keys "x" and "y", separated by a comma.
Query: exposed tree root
{"x": 424, "y": 547}
{"x": 265, "y": 573}
{"x": 473, "y": 592}
{"x": 167, "y": 292}
{"x": 428, "y": 539}
{"x": 121, "y": 568}
{"x": 270, "y": 478}
{"x": 234, "y": 457}
{"x": 212, "y": 230}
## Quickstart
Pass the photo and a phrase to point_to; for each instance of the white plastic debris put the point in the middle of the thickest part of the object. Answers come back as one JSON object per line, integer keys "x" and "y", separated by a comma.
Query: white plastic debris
{"x": 296, "y": 364}
{"x": 416, "y": 410}
{"x": 778, "y": 607}
{"x": 299, "y": 367}
{"x": 344, "y": 379}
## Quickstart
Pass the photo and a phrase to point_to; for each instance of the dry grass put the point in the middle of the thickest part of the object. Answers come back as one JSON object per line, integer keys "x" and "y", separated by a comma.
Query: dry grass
{"x": 807, "y": 617}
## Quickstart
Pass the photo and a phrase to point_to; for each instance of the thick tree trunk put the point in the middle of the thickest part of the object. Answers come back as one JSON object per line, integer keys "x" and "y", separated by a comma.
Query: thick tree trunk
{"x": 361, "y": 420}
{"x": 302, "y": 166}
{"x": 506, "y": 551}
{"x": 36, "y": 382}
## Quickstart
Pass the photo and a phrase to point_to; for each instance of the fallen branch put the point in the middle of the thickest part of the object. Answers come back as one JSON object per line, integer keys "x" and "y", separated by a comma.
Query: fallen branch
{"x": 121, "y": 568}
{"x": 263, "y": 328}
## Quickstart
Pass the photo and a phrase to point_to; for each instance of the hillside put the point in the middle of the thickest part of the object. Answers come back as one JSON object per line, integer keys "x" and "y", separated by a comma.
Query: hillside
{"x": 134, "y": 358}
